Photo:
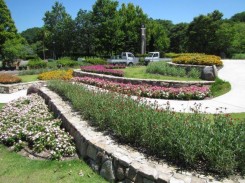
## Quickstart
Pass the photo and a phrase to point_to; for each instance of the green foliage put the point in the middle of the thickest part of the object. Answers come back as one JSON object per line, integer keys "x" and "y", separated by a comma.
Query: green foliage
{"x": 238, "y": 17}
{"x": 202, "y": 33}
{"x": 220, "y": 87}
{"x": 164, "y": 68}
{"x": 7, "y": 26}
{"x": 238, "y": 56}
{"x": 16, "y": 48}
{"x": 140, "y": 72}
{"x": 190, "y": 140}
{"x": 66, "y": 62}
{"x": 37, "y": 64}
{"x": 59, "y": 28}
{"x": 178, "y": 38}
{"x": 95, "y": 61}
{"x": 238, "y": 43}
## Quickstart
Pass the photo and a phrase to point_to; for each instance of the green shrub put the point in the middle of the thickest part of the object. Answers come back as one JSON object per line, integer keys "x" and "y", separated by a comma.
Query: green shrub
{"x": 165, "y": 69}
{"x": 191, "y": 140}
{"x": 220, "y": 87}
{"x": 66, "y": 62}
{"x": 37, "y": 64}
{"x": 95, "y": 61}
{"x": 238, "y": 56}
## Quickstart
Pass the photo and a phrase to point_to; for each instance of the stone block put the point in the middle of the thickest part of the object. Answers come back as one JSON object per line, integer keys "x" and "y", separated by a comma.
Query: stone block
{"x": 107, "y": 171}
{"x": 92, "y": 152}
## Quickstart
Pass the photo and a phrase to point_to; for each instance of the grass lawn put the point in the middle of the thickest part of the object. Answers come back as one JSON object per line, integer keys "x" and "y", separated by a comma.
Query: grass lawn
{"x": 28, "y": 78}
{"x": 140, "y": 72}
{"x": 15, "y": 168}
{"x": 1, "y": 105}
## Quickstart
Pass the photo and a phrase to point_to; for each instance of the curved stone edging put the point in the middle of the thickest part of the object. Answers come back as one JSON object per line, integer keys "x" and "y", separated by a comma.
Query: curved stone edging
{"x": 166, "y": 83}
{"x": 12, "y": 88}
{"x": 115, "y": 162}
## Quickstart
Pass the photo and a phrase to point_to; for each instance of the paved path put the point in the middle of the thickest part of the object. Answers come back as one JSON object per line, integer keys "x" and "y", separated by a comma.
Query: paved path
{"x": 232, "y": 102}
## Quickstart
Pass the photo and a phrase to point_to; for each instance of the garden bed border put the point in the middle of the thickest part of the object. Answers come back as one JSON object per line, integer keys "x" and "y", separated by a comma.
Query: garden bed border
{"x": 113, "y": 161}
{"x": 136, "y": 81}
{"x": 12, "y": 88}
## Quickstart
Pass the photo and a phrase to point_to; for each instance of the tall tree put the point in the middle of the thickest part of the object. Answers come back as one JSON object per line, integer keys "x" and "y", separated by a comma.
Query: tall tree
{"x": 238, "y": 43}
{"x": 202, "y": 33}
{"x": 61, "y": 27}
{"x": 157, "y": 36}
{"x": 84, "y": 41}
{"x": 239, "y": 17}
{"x": 107, "y": 29}
{"x": 132, "y": 17}
{"x": 7, "y": 26}
{"x": 178, "y": 38}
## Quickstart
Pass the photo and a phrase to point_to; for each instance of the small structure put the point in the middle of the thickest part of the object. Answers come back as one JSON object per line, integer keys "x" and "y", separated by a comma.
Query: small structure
{"x": 143, "y": 39}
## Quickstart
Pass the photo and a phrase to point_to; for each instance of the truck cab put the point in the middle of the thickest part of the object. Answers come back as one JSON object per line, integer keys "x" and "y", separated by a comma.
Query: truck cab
{"x": 152, "y": 57}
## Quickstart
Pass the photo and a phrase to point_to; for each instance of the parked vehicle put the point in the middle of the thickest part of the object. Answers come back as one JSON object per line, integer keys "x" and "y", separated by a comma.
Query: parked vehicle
{"x": 154, "y": 57}
{"x": 126, "y": 58}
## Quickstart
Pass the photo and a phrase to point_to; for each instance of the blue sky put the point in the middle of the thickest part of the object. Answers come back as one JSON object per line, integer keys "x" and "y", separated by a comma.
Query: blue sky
{"x": 29, "y": 13}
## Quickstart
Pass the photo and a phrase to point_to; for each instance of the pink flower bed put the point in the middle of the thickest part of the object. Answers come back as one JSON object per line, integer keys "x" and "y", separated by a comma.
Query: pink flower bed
{"x": 101, "y": 69}
{"x": 184, "y": 93}
{"x": 117, "y": 66}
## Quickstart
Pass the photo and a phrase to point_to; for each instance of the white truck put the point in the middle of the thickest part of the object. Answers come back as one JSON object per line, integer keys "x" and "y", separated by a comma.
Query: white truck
{"x": 126, "y": 58}
{"x": 154, "y": 57}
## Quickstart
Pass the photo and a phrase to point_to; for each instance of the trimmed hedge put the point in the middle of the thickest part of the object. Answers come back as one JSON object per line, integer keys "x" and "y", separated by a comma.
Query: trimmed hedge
{"x": 37, "y": 64}
{"x": 95, "y": 61}
{"x": 9, "y": 79}
{"x": 198, "y": 59}
{"x": 66, "y": 62}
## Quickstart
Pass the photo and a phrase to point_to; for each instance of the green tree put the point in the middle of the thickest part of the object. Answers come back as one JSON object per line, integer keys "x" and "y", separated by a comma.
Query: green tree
{"x": 238, "y": 43}
{"x": 202, "y": 33}
{"x": 225, "y": 37}
{"x": 16, "y": 48}
{"x": 61, "y": 28}
{"x": 178, "y": 38}
{"x": 7, "y": 26}
{"x": 32, "y": 35}
{"x": 107, "y": 28}
{"x": 157, "y": 36}
{"x": 131, "y": 18}
{"x": 84, "y": 42}
{"x": 239, "y": 17}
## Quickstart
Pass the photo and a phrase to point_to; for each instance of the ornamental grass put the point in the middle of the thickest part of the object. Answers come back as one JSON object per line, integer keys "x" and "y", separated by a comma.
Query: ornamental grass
{"x": 198, "y": 59}
{"x": 101, "y": 69}
{"x": 197, "y": 141}
{"x": 28, "y": 122}
{"x": 56, "y": 74}
{"x": 9, "y": 79}
{"x": 183, "y": 93}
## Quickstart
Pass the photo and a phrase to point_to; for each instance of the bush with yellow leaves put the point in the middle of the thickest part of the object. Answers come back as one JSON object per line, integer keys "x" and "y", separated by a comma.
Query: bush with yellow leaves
{"x": 57, "y": 74}
{"x": 198, "y": 59}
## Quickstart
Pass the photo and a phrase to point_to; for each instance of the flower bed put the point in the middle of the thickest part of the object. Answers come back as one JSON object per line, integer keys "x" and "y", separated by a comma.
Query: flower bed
{"x": 101, "y": 69}
{"x": 202, "y": 142}
{"x": 121, "y": 66}
{"x": 57, "y": 74}
{"x": 27, "y": 121}
{"x": 183, "y": 93}
{"x": 9, "y": 79}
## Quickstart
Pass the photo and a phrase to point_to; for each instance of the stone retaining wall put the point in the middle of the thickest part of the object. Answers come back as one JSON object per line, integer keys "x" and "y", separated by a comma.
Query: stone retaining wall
{"x": 166, "y": 83}
{"x": 12, "y": 88}
{"x": 113, "y": 161}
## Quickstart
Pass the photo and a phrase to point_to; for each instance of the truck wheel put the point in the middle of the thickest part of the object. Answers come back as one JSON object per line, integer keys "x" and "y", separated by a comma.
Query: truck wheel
{"x": 130, "y": 64}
